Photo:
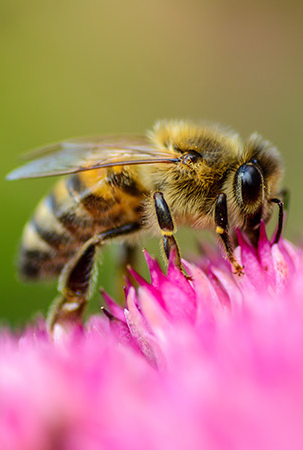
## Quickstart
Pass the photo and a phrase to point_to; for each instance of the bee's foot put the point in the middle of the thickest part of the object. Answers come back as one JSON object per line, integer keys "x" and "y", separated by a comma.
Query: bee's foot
{"x": 238, "y": 270}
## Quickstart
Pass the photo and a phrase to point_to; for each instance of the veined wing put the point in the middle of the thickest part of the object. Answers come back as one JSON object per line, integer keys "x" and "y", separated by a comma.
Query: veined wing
{"x": 77, "y": 155}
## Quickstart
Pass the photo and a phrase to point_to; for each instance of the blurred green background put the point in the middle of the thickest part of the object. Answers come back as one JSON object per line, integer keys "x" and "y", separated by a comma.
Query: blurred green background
{"x": 80, "y": 67}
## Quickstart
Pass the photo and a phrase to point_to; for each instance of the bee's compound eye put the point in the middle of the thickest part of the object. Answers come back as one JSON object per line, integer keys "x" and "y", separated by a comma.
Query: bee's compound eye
{"x": 250, "y": 180}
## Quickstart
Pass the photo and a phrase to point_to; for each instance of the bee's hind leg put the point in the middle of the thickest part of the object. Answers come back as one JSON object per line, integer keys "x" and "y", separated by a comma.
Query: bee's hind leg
{"x": 76, "y": 280}
{"x": 221, "y": 222}
{"x": 167, "y": 228}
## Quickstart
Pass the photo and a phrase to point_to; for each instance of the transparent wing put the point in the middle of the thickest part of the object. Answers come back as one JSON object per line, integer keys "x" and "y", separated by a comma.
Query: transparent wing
{"x": 82, "y": 154}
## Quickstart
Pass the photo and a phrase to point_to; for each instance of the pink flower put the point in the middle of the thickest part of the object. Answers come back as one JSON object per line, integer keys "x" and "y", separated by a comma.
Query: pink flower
{"x": 211, "y": 363}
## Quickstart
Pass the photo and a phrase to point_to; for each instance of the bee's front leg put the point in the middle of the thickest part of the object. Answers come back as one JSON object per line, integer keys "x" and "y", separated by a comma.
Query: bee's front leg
{"x": 167, "y": 228}
{"x": 280, "y": 204}
{"x": 221, "y": 222}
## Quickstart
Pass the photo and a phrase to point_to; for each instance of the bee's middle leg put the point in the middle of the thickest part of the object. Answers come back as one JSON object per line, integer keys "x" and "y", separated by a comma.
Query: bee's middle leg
{"x": 167, "y": 228}
{"x": 221, "y": 222}
{"x": 76, "y": 279}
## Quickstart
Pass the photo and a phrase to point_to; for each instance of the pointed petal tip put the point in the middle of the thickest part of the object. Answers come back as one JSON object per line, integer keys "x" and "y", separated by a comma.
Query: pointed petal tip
{"x": 138, "y": 278}
{"x": 107, "y": 313}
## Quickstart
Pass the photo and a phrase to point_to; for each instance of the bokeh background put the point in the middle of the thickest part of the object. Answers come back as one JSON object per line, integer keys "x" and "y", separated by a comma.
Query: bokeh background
{"x": 80, "y": 67}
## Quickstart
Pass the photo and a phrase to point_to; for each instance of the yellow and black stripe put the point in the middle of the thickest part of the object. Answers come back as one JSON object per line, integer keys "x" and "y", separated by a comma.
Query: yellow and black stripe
{"x": 79, "y": 207}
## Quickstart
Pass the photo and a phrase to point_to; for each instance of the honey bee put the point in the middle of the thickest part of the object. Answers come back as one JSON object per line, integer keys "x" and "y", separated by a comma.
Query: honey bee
{"x": 203, "y": 176}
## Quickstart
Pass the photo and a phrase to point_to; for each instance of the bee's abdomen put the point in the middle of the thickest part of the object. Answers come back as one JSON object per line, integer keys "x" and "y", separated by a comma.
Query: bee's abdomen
{"x": 71, "y": 214}
{"x": 46, "y": 244}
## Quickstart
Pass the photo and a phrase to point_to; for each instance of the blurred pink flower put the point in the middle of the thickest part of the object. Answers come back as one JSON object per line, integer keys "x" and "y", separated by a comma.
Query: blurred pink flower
{"x": 213, "y": 363}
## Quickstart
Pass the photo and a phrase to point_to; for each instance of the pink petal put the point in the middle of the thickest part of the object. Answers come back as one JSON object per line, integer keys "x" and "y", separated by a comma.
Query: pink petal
{"x": 252, "y": 267}
{"x": 115, "y": 309}
{"x": 265, "y": 256}
{"x": 280, "y": 266}
{"x": 140, "y": 330}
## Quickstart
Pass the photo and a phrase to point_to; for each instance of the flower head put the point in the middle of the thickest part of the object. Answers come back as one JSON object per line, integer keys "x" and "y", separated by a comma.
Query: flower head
{"x": 214, "y": 362}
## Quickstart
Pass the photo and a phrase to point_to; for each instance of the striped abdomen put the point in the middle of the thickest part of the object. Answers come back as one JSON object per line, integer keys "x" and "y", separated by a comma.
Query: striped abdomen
{"x": 79, "y": 207}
